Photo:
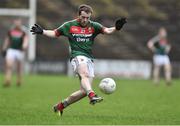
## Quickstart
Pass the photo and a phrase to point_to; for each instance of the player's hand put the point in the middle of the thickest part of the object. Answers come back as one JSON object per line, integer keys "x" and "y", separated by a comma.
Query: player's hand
{"x": 4, "y": 53}
{"x": 36, "y": 29}
{"x": 119, "y": 23}
{"x": 156, "y": 44}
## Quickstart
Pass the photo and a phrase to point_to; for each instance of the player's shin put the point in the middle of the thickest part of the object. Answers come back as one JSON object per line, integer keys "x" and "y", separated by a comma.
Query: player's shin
{"x": 86, "y": 85}
{"x": 168, "y": 74}
{"x": 74, "y": 97}
{"x": 156, "y": 74}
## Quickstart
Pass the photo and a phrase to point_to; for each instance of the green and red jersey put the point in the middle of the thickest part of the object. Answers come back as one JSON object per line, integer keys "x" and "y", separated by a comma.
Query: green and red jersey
{"x": 81, "y": 39}
{"x": 160, "y": 45}
{"x": 16, "y": 37}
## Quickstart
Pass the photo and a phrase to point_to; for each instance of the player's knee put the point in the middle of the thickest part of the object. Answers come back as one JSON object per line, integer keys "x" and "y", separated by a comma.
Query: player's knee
{"x": 168, "y": 68}
{"x": 8, "y": 66}
{"x": 83, "y": 74}
{"x": 83, "y": 92}
{"x": 83, "y": 70}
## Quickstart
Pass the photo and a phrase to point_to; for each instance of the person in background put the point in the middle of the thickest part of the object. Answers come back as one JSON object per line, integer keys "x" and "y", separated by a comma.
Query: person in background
{"x": 14, "y": 47}
{"x": 160, "y": 47}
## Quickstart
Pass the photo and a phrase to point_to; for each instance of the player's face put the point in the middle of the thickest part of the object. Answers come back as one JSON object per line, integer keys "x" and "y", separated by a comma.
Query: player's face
{"x": 17, "y": 23}
{"x": 162, "y": 33}
{"x": 84, "y": 18}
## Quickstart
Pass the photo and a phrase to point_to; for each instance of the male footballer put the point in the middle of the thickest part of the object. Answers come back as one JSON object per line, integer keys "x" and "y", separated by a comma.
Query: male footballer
{"x": 81, "y": 33}
{"x": 14, "y": 47}
{"x": 160, "y": 46}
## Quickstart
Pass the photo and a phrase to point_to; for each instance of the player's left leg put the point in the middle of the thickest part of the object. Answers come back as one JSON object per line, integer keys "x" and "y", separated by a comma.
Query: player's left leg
{"x": 19, "y": 73}
{"x": 167, "y": 71}
{"x": 20, "y": 63}
{"x": 86, "y": 73}
{"x": 84, "y": 67}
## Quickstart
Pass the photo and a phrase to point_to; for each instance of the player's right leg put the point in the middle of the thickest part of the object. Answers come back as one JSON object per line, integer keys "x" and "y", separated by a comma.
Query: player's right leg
{"x": 157, "y": 61}
{"x": 156, "y": 71}
{"x": 9, "y": 61}
{"x": 74, "y": 97}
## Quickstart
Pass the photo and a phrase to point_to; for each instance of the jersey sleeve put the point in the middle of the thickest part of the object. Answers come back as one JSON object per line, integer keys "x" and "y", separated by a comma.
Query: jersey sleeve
{"x": 61, "y": 30}
{"x": 98, "y": 28}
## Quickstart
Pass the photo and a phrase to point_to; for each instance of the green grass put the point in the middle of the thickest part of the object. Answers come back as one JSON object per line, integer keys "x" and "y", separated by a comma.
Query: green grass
{"x": 134, "y": 102}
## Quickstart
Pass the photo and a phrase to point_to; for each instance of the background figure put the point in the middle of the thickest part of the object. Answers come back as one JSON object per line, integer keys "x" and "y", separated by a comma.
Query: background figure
{"x": 160, "y": 46}
{"x": 15, "y": 44}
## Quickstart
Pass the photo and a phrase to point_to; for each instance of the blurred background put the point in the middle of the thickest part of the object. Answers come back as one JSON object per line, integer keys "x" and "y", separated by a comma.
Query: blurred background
{"x": 114, "y": 53}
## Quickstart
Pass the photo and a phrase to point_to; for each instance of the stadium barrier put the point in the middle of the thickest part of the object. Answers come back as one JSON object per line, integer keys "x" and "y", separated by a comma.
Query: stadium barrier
{"x": 46, "y": 67}
{"x": 120, "y": 69}
{"x": 139, "y": 69}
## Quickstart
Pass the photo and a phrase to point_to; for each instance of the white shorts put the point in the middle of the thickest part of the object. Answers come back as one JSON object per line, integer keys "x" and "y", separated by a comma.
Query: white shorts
{"x": 161, "y": 60}
{"x": 78, "y": 60}
{"x": 14, "y": 54}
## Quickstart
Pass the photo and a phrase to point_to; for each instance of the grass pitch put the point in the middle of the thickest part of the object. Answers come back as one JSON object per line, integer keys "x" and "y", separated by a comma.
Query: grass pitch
{"x": 134, "y": 102}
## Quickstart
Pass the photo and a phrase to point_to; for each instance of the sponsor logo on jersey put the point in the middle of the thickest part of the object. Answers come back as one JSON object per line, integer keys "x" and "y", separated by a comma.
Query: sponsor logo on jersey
{"x": 80, "y": 30}
{"x": 81, "y": 34}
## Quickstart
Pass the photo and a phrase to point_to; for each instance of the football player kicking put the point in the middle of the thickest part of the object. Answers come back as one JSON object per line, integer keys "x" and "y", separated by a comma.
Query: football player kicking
{"x": 80, "y": 33}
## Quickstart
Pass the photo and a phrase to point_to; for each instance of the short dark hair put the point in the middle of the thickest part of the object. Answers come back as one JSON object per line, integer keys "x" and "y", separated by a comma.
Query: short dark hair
{"x": 86, "y": 8}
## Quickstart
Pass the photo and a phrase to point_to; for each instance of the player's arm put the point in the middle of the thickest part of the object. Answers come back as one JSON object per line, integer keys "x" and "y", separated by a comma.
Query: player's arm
{"x": 5, "y": 46}
{"x": 109, "y": 30}
{"x": 49, "y": 33}
{"x": 37, "y": 29}
{"x": 168, "y": 48}
{"x": 25, "y": 43}
{"x": 150, "y": 45}
{"x": 118, "y": 25}
{"x": 152, "y": 42}
{"x": 6, "y": 43}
